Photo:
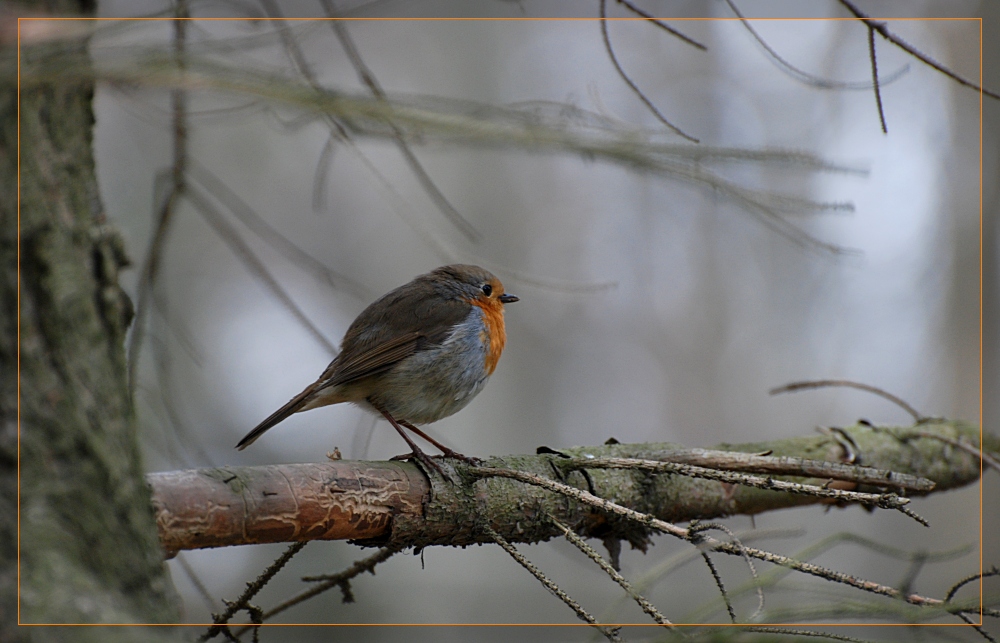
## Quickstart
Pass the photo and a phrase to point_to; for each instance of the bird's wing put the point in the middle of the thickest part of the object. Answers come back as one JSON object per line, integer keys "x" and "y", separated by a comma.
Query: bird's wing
{"x": 400, "y": 324}
{"x": 391, "y": 329}
{"x": 377, "y": 359}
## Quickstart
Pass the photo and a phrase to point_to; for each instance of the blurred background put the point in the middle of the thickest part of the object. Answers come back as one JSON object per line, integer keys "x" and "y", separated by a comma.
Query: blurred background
{"x": 651, "y": 309}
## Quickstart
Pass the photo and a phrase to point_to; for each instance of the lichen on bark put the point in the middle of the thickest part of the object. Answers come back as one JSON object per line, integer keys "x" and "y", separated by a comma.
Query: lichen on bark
{"x": 89, "y": 549}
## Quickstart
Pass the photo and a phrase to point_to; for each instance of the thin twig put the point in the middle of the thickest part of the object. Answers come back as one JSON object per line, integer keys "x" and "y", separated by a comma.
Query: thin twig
{"x": 338, "y": 131}
{"x": 192, "y": 575}
{"x": 809, "y": 633}
{"x": 797, "y": 386}
{"x": 369, "y": 80}
{"x": 913, "y": 51}
{"x": 320, "y": 174}
{"x": 272, "y": 236}
{"x": 660, "y": 570}
{"x": 721, "y": 587}
{"x": 781, "y": 465}
{"x": 334, "y": 580}
{"x": 256, "y": 267}
{"x": 629, "y": 82}
{"x": 988, "y": 459}
{"x": 803, "y": 76}
{"x": 157, "y": 243}
{"x": 878, "y": 92}
{"x": 583, "y": 614}
{"x": 772, "y": 577}
{"x": 993, "y": 571}
{"x": 703, "y": 527}
{"x": 592, "y": 554}
{"x": 711, "y": 543}
{"x": 363, "y": 565}
{"x": 662, "y": 25}
{"x": 986, "y": 635}
{"x": 252, "y": 589}
{"x": 882, "y": 500}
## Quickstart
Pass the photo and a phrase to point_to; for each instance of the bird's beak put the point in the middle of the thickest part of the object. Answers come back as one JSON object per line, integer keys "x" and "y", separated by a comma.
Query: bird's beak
{"x": 508, "y": 298}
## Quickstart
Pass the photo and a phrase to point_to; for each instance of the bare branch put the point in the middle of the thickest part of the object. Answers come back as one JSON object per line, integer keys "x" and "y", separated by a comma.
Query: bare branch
{"x": 425, "y": 180}
{"x": 913, "y": 51}
{"x": 341, "y": 580}
{"x": 699, "y": 527}
{"x": 157, "y": 243}
{"x": 884, "y": 501}
{"x": 592, "y": 554}
{"x": 269, "y": 234}
{"x": 800, "y": 75}
{"x": 628, "y": 81}
{"x": 252, "y": 589}
{"x": 807, "y": 633}
{"x": 719, "y": 585}
{"x": 761, "y": 463}
{"x": 372, "y": 500}
{"x": 875, "y": 86}
{"x": 711, "y": 543}
{"x": 993, "y": 571}
{"x": 462, "y": 122}
{"x": 798, "y": 386}
{"x": 662, "y": 25}
{"x": 337, "y": 129}
{"x": 256, "y": 267}
{"x": 609, "y": 633}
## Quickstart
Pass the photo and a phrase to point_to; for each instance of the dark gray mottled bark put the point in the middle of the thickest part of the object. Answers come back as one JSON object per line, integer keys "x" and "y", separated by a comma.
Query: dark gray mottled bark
{"x": 89, "y": 549}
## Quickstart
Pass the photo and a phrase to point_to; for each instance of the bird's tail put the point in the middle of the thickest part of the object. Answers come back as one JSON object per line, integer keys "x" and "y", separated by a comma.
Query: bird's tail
{"x": 294, "y": 405}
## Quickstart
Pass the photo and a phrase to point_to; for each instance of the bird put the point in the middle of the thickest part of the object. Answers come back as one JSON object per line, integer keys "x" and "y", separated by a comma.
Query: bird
{"x": 416, "y": 355}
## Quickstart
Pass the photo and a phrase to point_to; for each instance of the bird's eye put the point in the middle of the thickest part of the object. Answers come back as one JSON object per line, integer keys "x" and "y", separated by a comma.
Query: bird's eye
{"x": 487, "y": 289}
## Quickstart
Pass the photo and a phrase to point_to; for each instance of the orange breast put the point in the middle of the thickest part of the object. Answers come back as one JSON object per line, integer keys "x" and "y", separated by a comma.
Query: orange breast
{"x": 495, "y": 331}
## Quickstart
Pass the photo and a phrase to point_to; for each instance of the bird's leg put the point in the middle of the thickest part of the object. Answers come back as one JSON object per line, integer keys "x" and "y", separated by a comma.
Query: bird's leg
{"x": 416, "y": 451}
{"x": 449, "y": 453}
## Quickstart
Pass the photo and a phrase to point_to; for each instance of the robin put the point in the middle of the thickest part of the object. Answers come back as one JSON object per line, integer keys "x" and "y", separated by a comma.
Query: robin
{"x": 416, "y": 355}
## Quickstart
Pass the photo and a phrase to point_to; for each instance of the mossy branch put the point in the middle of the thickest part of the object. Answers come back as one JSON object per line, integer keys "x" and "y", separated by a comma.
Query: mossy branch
{"x": 399, "y": 505}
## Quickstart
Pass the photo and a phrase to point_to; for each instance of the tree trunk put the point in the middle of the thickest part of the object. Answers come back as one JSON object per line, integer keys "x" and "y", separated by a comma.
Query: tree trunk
{"x": 88, "y": 544}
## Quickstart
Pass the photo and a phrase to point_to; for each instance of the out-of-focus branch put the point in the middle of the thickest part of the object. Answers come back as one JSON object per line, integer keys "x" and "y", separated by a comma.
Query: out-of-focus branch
{"x": 880, "y": 27}
{"x": 435, "y": 120}
{"x": 396, "y": 504}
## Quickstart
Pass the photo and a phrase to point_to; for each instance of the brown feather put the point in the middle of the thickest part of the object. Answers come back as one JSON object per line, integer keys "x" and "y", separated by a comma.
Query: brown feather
{"x": 394, "y": 327}
{"x": 406, "y": 320}
{"x": 292, "y": 406}
{"x": 376, "y": 360}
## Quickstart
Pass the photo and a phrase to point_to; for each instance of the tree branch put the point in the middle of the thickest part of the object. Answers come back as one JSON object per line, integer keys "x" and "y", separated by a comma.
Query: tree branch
{"x": 397, "y": 504}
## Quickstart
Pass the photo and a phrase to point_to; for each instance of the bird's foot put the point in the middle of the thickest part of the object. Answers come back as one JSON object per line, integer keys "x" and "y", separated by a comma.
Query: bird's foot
{"x": 424, "y": 459}
{"x": 471, "y": 461}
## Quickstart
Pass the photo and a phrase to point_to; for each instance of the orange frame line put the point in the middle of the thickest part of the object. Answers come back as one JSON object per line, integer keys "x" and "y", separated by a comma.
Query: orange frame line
{"x": 495, "y": 19}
